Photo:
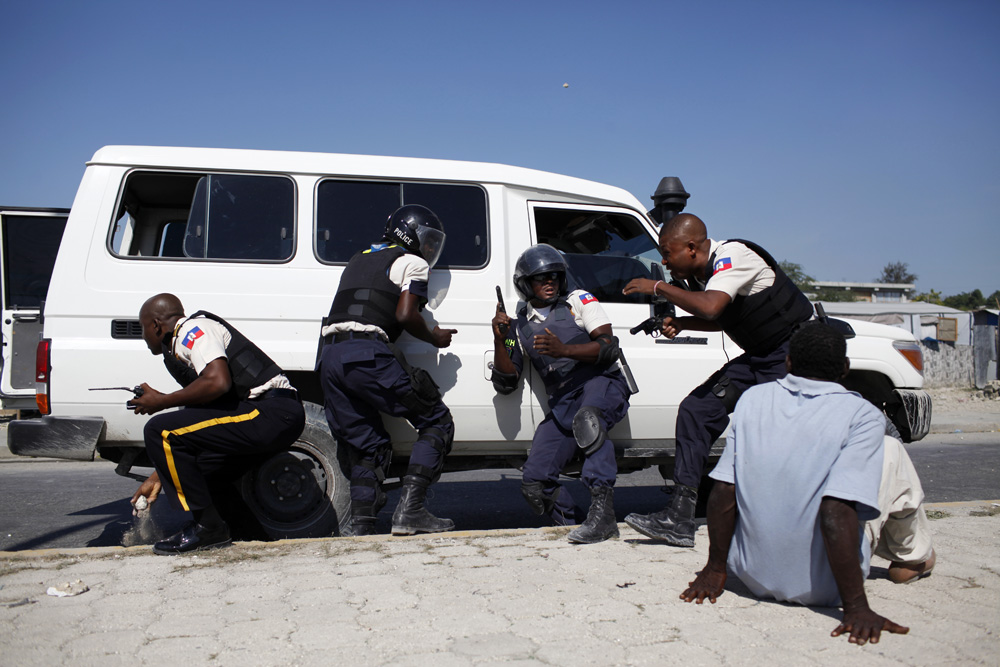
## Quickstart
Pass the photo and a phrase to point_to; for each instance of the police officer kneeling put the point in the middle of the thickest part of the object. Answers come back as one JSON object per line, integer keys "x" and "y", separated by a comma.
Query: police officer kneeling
{"x": 381, "y": 293}
{"x": 239, "y": 409}
{"x": 568, "y": 338}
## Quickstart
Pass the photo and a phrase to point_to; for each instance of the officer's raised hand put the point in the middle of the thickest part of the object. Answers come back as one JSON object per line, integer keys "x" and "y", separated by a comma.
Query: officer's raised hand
{"x": 501, "y": 324}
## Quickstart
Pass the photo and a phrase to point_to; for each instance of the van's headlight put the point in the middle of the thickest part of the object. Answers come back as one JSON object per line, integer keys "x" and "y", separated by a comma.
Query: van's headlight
{"x": 912, "y": 352}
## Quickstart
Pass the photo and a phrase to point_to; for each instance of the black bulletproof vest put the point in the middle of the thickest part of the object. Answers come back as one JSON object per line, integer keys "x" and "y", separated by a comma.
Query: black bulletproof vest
{"x": 559, "y": 375}
{"x": 366, "y": 295}
{"x": 760, "y": 322}
{"x": 248, "y": 365}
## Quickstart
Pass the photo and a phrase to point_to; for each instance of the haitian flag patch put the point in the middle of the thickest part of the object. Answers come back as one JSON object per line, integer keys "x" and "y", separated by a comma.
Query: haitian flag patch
{"x": 722, "y": 265}
{"x": 587, "y": 297}
{"x": 192, "y": 336}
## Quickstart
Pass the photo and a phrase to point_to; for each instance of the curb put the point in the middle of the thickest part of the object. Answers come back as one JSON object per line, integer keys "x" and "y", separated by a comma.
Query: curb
{"x": 144, "y": 549}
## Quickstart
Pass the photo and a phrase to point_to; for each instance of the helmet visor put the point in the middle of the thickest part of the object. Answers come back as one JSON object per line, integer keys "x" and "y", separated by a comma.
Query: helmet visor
{"x": 431, "y": 244}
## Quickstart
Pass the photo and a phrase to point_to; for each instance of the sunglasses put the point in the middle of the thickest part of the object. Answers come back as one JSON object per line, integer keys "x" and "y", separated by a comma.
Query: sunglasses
{"x": 545, "y": 277}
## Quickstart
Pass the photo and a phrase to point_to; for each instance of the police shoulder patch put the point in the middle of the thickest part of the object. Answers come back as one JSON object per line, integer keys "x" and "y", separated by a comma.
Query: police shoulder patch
{"x": 722, "y": 265}
{"x": 587, "y": 297}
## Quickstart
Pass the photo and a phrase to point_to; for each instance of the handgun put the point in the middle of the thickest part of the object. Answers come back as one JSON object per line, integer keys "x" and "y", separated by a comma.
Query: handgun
{"x": 503, "y": 309}
{"x": 508, "y": 341}
{"x": 652, "y": 326}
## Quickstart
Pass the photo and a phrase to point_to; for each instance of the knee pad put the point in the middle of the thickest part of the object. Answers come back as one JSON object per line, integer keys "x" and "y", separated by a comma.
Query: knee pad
{"x": 588, "y": 429}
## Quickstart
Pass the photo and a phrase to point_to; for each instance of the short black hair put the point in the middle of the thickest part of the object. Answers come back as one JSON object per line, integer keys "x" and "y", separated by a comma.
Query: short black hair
{"x": 818, "y": 351}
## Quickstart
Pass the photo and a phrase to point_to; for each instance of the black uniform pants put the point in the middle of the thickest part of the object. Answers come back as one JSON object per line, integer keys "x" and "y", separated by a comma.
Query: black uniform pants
{"x": 704, "y": 415}
{"x": 194, "y": 449}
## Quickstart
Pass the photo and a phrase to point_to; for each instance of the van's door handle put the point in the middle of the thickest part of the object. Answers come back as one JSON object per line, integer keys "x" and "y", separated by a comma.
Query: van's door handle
{"x": 18, "y": 317}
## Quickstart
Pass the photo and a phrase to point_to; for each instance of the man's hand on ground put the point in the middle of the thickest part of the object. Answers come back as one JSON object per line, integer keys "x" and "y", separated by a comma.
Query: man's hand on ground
{"x": 708, "y": 584}
{"x": 866, "y": 626}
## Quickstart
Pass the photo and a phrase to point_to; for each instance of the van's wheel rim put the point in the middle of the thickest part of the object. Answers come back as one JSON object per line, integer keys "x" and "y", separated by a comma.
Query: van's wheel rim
{"x": 292, "y": 489}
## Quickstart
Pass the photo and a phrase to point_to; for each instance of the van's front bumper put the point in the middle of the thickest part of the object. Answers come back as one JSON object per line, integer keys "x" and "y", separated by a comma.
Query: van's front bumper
{"x": 72, "y": 438}
{"x": 910, "y": 411}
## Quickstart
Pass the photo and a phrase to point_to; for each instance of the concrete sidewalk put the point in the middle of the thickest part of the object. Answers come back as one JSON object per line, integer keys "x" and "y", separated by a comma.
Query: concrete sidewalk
{"x": 523, "y": 597}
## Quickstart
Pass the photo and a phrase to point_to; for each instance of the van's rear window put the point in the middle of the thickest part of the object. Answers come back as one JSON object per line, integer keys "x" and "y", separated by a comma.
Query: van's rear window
{"x": 206, "y": 216}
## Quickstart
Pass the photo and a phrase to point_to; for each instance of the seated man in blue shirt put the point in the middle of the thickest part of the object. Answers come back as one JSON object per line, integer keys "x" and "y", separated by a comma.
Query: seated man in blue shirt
{"x": 806, "y": 465}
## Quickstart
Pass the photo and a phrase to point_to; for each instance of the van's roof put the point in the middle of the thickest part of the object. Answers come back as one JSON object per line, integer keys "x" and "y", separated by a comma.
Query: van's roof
{"x": 376, "y": 166}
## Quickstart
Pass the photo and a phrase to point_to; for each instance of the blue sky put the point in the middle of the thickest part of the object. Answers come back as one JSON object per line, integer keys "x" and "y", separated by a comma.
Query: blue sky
{"x": 841, "y": 136}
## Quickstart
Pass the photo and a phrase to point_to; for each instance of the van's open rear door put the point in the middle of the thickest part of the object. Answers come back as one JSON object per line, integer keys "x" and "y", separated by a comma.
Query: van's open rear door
{"x": 30, "y": 239}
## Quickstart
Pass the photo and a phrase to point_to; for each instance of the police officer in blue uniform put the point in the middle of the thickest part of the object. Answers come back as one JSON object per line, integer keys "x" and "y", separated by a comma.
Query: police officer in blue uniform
{"x": 238, "y": 409}
{"x": 381, "y": 293}
{"x": 568, "y": 339}
{"x": 734, "y": 286}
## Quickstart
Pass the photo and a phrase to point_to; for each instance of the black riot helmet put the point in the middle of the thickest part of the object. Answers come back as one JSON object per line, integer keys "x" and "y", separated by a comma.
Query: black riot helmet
{"x": 417, "y": 229}
{"x": 538, "y": 259}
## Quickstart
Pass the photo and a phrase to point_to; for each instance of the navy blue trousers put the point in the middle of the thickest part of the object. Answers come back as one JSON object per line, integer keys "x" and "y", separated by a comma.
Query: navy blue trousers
{"x": 554, "y": 446}
{"x": 362, "y": 378}
{"x": 196, "y": 449}
{"x": 702, "y": 416}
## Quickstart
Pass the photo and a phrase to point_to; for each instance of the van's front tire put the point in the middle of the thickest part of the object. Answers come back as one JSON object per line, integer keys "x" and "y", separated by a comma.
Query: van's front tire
{"x": 301, "y": 492}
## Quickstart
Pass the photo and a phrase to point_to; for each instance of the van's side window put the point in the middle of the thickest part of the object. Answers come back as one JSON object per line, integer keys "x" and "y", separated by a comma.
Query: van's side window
{"x": 350, "y": 215}
{"x": 192, "y": 216}
{"x": 604, "y": 249}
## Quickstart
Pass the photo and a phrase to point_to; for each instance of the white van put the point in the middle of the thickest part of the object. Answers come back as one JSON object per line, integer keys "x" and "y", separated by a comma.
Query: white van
{"x": 261, "y": 237}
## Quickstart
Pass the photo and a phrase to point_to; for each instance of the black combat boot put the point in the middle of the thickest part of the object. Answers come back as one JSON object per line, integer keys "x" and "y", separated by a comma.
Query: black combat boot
{"x": 674, "y": 525}
{"x": 411, "y": 517}
{"x": 362, "y": 521}
{"x": 363, "y": 515}
{"x": 600, "y": 524}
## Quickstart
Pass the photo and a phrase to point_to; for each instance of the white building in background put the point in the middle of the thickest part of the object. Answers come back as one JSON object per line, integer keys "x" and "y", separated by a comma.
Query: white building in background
{"x": 923, "y": 320}
{"x": 871, "y": 292}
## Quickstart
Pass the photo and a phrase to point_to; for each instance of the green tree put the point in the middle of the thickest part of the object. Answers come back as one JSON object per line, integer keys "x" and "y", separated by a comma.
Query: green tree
{"x": 898, "y": 273}
{"x": 833, "y": 295}
{"x": 932, "y": 296}
{"x": 993, "y": 300}
{"x": 797, "y": 275}
{"x": 966, "y": 300}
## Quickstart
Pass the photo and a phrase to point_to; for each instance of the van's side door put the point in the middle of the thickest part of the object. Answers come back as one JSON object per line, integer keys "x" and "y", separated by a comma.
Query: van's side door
{"x": 605, "y": 247}
{"x": 30, "y": 241}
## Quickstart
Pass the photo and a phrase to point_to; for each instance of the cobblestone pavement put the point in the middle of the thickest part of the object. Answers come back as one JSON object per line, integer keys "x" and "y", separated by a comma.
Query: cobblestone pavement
{"x": 517, "y": 597}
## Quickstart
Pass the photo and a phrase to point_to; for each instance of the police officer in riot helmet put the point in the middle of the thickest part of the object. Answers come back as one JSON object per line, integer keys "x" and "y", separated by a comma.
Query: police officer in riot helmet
{"x": 568, "y": 339}
{"x": 381, "y": 294}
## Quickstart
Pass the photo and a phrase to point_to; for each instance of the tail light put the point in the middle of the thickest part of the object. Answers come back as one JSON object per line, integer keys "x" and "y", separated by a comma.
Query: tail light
{"x": 42, "y": 368}
{"x": 911, "y": 352}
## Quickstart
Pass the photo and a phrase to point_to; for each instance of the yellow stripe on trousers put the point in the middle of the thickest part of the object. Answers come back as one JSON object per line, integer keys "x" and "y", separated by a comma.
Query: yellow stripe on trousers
{"x": 191, "y": 429}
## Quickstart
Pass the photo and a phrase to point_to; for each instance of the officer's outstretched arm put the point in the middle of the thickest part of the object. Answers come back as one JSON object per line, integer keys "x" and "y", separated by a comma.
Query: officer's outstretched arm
{"x": 408, "y": 314}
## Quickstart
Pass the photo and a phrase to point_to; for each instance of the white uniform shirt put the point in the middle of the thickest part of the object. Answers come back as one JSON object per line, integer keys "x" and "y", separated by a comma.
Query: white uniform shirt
{"x": 737, "y": 270}
{"x": 587, "y": 311}
{"x": 200, "y": 341}
{"x": 405, "y": 270}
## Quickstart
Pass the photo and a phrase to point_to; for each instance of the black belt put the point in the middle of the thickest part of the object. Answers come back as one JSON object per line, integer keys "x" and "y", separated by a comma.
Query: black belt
{"x": 349, "y": 335}
{"x": 277, "y": 393}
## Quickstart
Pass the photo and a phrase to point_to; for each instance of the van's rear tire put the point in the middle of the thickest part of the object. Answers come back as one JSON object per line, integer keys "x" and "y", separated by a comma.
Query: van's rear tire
{"x": 301, "y": 492}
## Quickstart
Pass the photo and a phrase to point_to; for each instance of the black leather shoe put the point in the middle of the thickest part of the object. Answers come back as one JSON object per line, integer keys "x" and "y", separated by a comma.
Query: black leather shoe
{"x": 194, "y": 537}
